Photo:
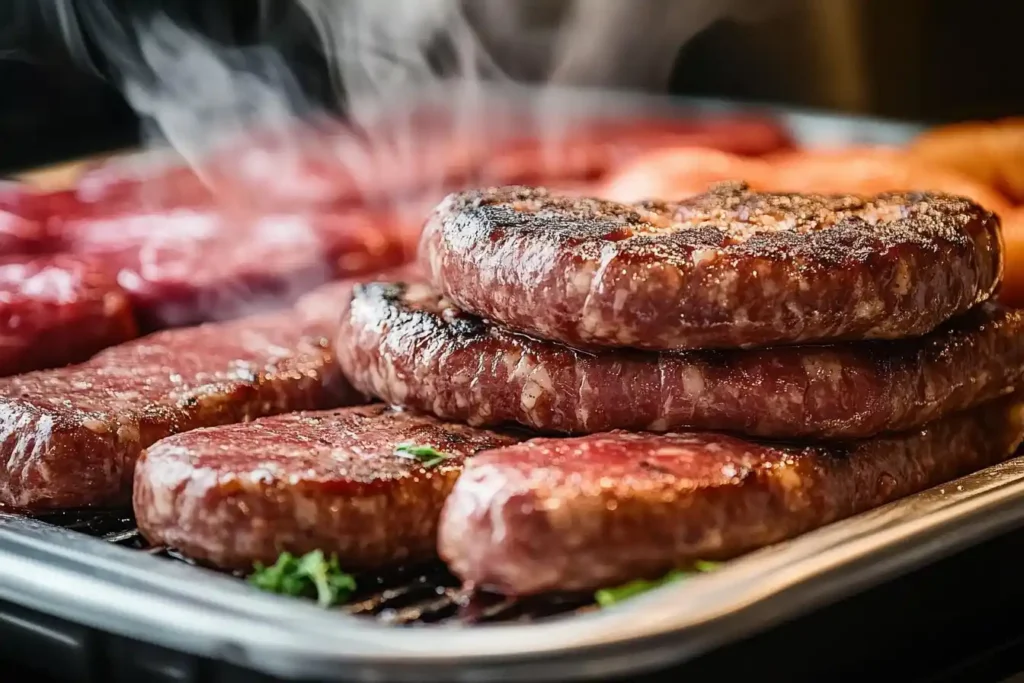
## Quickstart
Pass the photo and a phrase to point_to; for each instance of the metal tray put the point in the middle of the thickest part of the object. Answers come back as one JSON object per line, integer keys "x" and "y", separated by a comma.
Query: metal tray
{"x": 99, "y": 602}
{"x": 190, "y": 612}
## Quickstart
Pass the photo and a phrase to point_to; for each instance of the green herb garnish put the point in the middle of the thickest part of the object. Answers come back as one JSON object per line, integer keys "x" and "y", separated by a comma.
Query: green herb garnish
{"x": 311, "y": 575}
{"x": 426, "y": 455}
{"x": 705, "y": 566}
{"x": 606, "y": 597}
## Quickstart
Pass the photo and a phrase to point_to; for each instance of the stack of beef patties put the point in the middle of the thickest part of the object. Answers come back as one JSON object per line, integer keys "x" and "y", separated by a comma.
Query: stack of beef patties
{"x": 699, "y": 379}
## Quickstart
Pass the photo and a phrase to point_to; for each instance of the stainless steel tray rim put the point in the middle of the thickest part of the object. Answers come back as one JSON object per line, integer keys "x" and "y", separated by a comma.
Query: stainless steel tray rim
{"x": 231, "y": 621}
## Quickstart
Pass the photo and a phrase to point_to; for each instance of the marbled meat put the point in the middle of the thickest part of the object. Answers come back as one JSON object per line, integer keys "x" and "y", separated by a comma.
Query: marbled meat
{"x": 408, "y": 346}
{"x": 584, "y": 513}
{"x": 334, "y": 481}
{"x": 729, "y": 268}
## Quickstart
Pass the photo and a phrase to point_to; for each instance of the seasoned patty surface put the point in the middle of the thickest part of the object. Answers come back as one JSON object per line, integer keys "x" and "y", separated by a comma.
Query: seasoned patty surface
{"x": 408, "y": 346}
{"x": 70, "y": 437}
{"x": 582, "y": 513}
{"x": 728, "y": 268}
{"x": 335, "y": 481}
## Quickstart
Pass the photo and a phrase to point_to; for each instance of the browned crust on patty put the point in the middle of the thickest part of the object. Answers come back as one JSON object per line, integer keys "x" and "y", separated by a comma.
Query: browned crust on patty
{"x": 579, "y": 514}
{"x": 729, "y": 268}
{"x": 407, "y": 346}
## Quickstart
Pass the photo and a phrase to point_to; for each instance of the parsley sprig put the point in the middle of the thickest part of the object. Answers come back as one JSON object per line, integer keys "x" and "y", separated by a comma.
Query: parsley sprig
{"x": 607, "y": 597}
{"x": 312, "y": 575}
{"x": 426, "y": 455}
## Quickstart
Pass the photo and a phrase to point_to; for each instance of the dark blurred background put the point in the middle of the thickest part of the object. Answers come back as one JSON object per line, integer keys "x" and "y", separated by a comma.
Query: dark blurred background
{"x": 926, "y": 60}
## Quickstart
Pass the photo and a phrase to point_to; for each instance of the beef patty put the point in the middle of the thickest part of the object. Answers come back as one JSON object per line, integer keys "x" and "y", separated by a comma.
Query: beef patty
{"x": 579, "y": 514}
{"x": 58, "y": 310}
{"x": 70, "y": 437}
{"x": 55, "y": 310}
{"x": 335, "y": 481}
{"x": 408, "y": 346}
{"x": 189, "y": 266}
{"x": 728, "y": 268}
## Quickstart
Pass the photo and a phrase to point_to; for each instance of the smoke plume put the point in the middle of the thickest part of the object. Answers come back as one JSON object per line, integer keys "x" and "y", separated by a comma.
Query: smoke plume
{"x": 195, "y": 81}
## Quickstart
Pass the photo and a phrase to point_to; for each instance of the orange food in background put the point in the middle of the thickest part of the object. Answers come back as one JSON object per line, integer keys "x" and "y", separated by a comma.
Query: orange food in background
{"x": 990, "y": 152}
{"x": 872, "y": 170}
{"x": 678, "y": 172}
{"x": 1012, "y": 290}
{"x": 682, "y": 172}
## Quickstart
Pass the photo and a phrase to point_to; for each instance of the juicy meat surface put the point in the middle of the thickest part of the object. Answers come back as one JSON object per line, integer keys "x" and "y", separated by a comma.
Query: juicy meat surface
{"x": 729, "y": 268}
{"x": 35, "y": 205}
{"x": 70, "y": 437}
{"x": 583, "y": 513}
{"x": 19, "y": 235}
{"x": 21, "y": 232}
{"x": 327, "y": 481}
{"x": 187, "y": 266}
{"x": 407, "y": 346}
{"x": 58, "y": 310}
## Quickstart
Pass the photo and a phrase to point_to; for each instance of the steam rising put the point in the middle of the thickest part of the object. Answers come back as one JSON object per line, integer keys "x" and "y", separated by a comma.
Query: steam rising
{"x": 194, "y": 91}
{"x": 202, "y": 93}
{"x": 417, "y": 81}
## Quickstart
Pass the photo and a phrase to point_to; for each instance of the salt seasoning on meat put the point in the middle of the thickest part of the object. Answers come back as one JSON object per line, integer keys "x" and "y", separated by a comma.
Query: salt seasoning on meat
{"x": 729, "y": 268}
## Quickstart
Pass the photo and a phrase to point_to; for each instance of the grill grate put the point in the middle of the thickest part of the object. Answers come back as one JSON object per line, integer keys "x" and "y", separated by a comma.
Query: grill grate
{"x": 405, "y": 596}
